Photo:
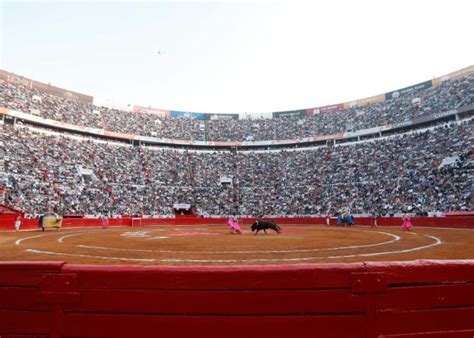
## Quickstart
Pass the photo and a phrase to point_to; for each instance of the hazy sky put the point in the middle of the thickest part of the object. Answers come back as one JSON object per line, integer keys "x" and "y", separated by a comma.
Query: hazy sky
{"x": 229, "y": 57}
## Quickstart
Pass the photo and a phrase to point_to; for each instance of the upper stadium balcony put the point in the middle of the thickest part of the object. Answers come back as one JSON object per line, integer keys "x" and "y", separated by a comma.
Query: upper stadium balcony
{"x": 35, "y": 102}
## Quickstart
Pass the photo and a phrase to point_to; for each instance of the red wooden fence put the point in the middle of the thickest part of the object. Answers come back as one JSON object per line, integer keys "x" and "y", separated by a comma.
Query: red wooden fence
{"x": 409, "y": 299}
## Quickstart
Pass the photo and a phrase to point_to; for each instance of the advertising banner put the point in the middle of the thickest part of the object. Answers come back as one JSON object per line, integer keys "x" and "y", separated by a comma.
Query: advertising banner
{"x": 408, "y": 90}
{"x": 52, "y": 90}
{"x": 362, "y": 132}
{"x": 186, "y": 115}
{"x": 286, "y": 141}
{"x": 4, "y": 111}
{"x": 118, "y": 135}
{"x": 365, "y": 102}
{"x": 13, "y": 78}
{"x": 221, "y": 117}
{"x": 149, "y": 110}
{"x": 149, "y": 139}
{"x": 424, "y": 119}
{"x": 454, "y": 75}
{"x": 301, "y": 113}
{"x": 146, "y": 139}
{"x": 328, "y": 137}
{"x": 224, "y": 143}
{"x": 256, "y": 143}
{"x": 326, "y": 109}
{"x": 173, "y": 141}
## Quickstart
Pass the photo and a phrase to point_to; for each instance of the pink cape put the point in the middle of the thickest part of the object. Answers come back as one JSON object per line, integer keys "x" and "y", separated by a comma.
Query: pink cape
{"x": 233, "y": 225}
{"x": 407, "y": 224}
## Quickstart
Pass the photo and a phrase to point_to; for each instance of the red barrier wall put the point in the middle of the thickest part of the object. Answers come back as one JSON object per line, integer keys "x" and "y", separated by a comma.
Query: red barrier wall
{"x": 27, "y": 223}
{"x": 448, "y": 222}
{"x": 421, "y": 298}
{"x": 443, "y": 222}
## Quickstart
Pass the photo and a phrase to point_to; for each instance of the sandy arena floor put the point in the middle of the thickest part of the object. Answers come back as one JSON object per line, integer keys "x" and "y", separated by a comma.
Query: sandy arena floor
{"x": 213, "y": 245}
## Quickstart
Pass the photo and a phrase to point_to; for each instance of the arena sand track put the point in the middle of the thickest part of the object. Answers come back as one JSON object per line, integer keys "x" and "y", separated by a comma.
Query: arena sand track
{"x": 213, "y": 245}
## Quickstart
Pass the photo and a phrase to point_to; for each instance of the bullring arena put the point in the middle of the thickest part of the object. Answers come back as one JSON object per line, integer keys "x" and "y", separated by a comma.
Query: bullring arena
{"x": 194, "y": 277}
{"x": 188, "y": 245}
{"x": 141, "y": 197}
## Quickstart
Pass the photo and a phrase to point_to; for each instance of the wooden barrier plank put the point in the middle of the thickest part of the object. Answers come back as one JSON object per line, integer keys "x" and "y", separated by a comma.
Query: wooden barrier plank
{"x": 219, "y": 302}
{"x": 439, "y": 334}
{"x": 24, "y": 322}
{"x": 426, "y": 297}
{"x": 222, "y": 278}
{"x": 417, "y": 321}
{"x": 424, "y": 271}
{"x": 23, "y": 336}
{"x": 21, "y": 278}
{"x": 20, "y": 299}
{"x": 31, "y": 266}
{"x": 212, "y": 326}
{"x": 26, "y": 273}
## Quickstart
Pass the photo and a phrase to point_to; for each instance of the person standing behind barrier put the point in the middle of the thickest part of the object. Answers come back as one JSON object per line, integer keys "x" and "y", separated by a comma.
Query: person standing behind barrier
{"x": 18, "y": 223}
{"x": 40, "y": 222}
{"x": 350, "y": 220}
{"x": 105, "y": 222}
{"x": 374, "y": 220}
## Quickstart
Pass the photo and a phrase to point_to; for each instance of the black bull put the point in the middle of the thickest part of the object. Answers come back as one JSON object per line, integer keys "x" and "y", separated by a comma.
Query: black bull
{"x": 264, "y": 225}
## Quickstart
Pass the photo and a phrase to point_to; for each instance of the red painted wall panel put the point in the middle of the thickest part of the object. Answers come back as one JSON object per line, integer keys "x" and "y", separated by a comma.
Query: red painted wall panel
{"x": 24, "y": 322}
{"x": 260, "y": 301}
{"x": 232, "y": 302}
{"x": 189, "y": 325}
{"x": 216, "y": 278}
{"x": 438, "y": 334}
{"x": 418, "y": 321}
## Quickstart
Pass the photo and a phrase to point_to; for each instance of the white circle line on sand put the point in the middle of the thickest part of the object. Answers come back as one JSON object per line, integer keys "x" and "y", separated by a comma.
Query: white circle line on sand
{"x": 90, "y": 256}
{"x": 61, "y": 239}
{"x": 395, "y": 238}
{"x": 31, "y": 237}
{"x": 437, "y": 241}
{"x": 47, "y": 234}
{"x": 68, "y": 228}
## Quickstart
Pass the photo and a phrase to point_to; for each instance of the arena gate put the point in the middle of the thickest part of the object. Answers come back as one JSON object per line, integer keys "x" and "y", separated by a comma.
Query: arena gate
{"x": 409, "y": 299}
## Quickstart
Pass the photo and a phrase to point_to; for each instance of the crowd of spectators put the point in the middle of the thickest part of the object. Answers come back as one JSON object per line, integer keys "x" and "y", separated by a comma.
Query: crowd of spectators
{"x": 75, "y": 175}
{"x": 448, "y": 95}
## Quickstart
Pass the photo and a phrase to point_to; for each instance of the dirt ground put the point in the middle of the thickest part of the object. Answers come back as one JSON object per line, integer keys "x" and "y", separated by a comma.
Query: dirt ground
{"x": 213, "y": 245}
